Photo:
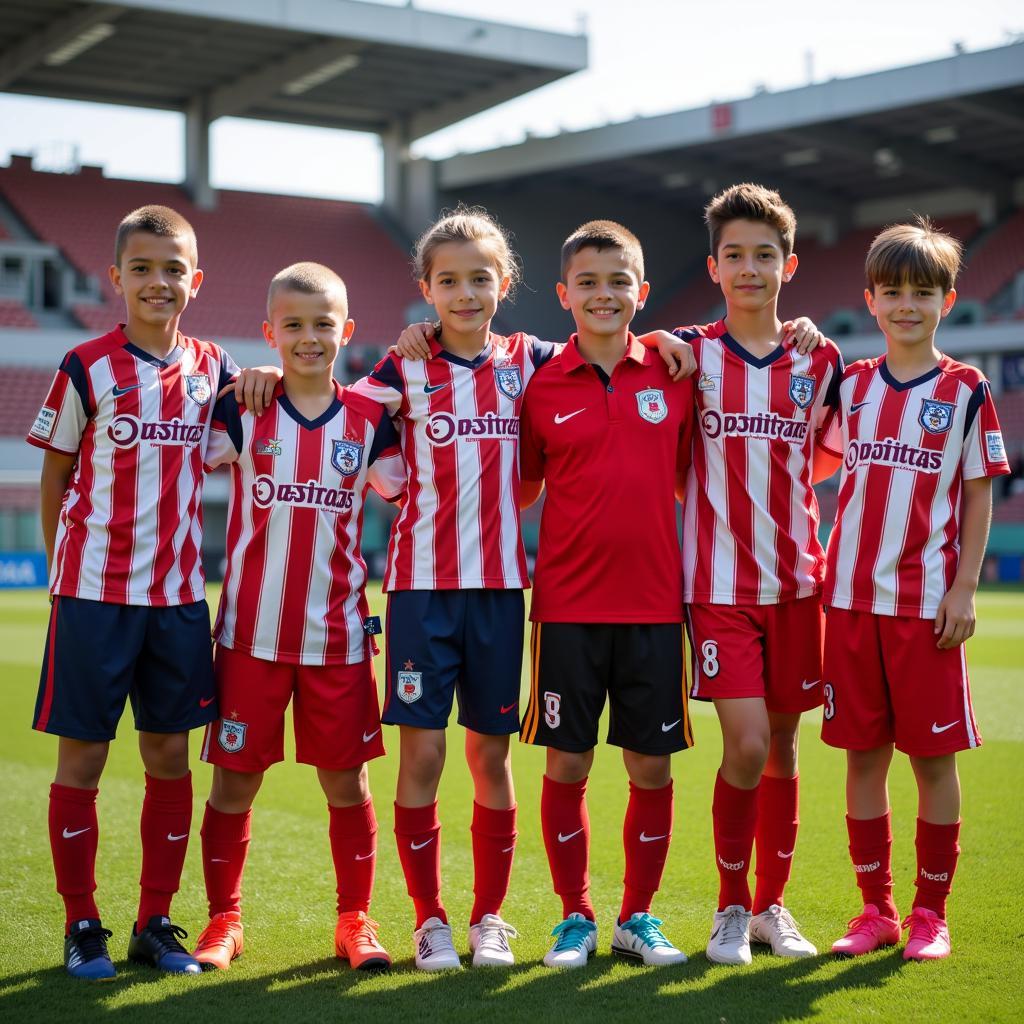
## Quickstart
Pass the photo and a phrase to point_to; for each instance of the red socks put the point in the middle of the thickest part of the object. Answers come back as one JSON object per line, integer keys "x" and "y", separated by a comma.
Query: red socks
{"x": 734, "y": 816}
{"x": 775, "y": 838}
{"x": 646, "y": 833}
{"x": 566, "y": 827}
{"x": 494, "y": 845}
{"x": 418, "y": 833}
{"x": 166, "y": 821}
{"x": 354, "y": 849}
{"x": 871, "y": 853}
{"x": 937, "y": 852}
{"x": 74, "y": 836}
{"x": 225, "y": 845}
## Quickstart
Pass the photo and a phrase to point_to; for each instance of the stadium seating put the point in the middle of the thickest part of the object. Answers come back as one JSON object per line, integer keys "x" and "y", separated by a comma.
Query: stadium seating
{"x": 22, "y": 391}
{"x": 995, "y": 261}
{"x": 14, "y": 314}
{"x": 247, "y": 239}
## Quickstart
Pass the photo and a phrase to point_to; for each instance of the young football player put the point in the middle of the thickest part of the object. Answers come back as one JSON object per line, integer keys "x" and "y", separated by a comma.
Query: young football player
{"x": 293, "y": 618}
{"x": 607, "y": 430}
{"x": 919, "y": 441}
{"x": 124, "y": 428}
{"x": 752, "y": 562}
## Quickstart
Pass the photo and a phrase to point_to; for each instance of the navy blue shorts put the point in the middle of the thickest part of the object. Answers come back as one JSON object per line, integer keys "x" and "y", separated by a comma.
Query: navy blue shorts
{"x": 98, "y": 654}
{"x": 446, "y": 642}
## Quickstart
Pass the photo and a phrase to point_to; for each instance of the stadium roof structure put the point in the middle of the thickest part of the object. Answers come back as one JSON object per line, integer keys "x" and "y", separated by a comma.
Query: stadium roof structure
{"x": 957, "y": 122}
{"x": 397, "y": 71}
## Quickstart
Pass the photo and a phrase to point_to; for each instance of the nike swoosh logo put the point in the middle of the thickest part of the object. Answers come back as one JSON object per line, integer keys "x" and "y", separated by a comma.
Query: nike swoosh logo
{"x": 559, "y": 418}
{"x": 429, "y": 389}
{"x": 205, "y": 702}
{"x": 71, "y": 835}
{"x": 670, "y": 726}
{"x": 786, "y": 856}
{"x": 565, "y": 839}
{"x": 117, "y": 392}
{"x": 857, "y": 406}
{"x": 645, "y": 838}
{"x": 508, "y": 849}
{"x": 506, "y": 709}
{"x": 366, "y": 739}
{"x": 419, "y": 846}
{"x": 810, "y": 685}
{"x": 171, "y": 838}
{"x": 942, "y": 728}
{"x": 219, "y": 860}
{"x": 365, "y": 856}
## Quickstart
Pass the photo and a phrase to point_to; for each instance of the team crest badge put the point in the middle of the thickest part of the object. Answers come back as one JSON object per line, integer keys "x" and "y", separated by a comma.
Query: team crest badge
{"x": 232, "y": 735}
{"x": 268, "y": 446}
{"x": 651, "y": 405}
{"x": 708, "y": 382}
{"x": 410, "y": 686}
{"x": 347, "y": 456}
{"x": 801, "y": 390}
{"x": 509, "y": 381}
{"x": 936, "y": 417}
{"x": 197, "y": 385}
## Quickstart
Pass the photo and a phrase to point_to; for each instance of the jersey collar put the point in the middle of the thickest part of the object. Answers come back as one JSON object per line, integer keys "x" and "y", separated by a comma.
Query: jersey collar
{"x": 898, "y": 385}
{"x": 438, "y": 351}
{"x": 172, "y": 357}
{"x": 737, "y": 349}
{"x": 325, "y": 417}
{"x": 572, "y": 358}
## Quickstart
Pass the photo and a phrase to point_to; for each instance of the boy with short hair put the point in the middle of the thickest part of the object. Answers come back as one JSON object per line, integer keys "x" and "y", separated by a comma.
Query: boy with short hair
{"x": 124, "y": 429}
{"x": 752, "y": 562}
{"x": 293, "y": 617}
{"x": 608, "y": 430}
{"x": 920, "y": 442}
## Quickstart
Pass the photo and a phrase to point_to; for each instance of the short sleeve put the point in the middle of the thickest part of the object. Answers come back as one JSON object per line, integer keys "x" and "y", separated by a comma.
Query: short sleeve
{"x": 684, "y": 451}
{"x": 829, "y": 437}
{"x": 224, "y": 444}
{"x": 65, "y": 411}
{"x": 384, "y": 385}
{"x": 542, "y": 351}
{"x": 984, "y": 453}
{"x": 387, "y": 473}
{"x": 229, "y": 369}
{"x": 531, "y": 450}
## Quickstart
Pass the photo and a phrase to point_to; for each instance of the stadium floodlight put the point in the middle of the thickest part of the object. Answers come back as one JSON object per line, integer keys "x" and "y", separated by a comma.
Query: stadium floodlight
{"x": 83, "y": 41}
{"x": 324, "y": 73}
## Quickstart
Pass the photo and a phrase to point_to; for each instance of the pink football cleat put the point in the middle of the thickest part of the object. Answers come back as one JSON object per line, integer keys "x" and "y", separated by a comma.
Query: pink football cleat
{"x": 929, "y": 936}
{"x": 867, "y": 932}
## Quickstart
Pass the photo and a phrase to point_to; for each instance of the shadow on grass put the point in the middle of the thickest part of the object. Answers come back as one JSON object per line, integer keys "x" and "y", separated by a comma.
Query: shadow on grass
{"x": 323, "y": 989}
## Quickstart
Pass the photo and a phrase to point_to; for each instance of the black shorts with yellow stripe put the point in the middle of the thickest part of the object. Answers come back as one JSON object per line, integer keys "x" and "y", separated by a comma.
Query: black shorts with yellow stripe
{"x": 641, "y": 668}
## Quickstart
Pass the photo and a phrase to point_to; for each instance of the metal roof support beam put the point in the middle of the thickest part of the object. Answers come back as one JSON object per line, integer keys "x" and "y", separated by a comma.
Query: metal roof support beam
{"x": 30, "y": 52}
{"x": 996, "y": 109}
{"x": 197, "y": 153}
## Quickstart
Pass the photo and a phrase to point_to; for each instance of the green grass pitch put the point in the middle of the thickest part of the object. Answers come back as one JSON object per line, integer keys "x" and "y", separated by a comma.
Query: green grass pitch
{"x": 289, "y": 972}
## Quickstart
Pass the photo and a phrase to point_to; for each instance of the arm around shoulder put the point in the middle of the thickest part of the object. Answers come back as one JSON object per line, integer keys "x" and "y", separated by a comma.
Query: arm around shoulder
{"x": 53, "y": 485}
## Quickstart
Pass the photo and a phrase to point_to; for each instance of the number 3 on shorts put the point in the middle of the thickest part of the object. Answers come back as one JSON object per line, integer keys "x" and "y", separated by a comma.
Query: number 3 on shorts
{"x": 830, "y": 701}
{"x": 709, "y": 658}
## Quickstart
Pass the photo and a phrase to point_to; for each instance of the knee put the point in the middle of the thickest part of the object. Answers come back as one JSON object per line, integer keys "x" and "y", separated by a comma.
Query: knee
{"x": 490, "y": 761}
{"x": 748, "y": 754}
{"x": 646, "y": 771}
{"x": 423, "y": 761}
{"x": 934, "y": 771}
{"x": 568, "y": 766}
{"x": 346, "y": 788}
{"x": 233, "y": 792}
{"x": 164, "y": 755}
{"x": 783, "y": 752}
{"x": 82, "y": 767}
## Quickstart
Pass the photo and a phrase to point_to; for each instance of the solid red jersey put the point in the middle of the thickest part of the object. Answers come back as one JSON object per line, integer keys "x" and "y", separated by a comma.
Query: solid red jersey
{"x": 906, "y": 450}
{"x": 609, "y": 451}
{"x": 294, "y": 586}
{"x": 130, "y": 529}
{"x": 459, "y": 419}
{"x": 750, "y": 523}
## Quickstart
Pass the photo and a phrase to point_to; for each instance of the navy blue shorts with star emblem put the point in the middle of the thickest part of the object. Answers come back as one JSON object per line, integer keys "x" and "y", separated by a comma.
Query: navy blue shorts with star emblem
{"x": 443, "y": 643}
{"x": 98, "y": 654}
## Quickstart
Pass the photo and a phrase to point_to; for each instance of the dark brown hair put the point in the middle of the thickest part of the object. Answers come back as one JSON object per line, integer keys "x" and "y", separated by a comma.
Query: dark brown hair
{"x": 161, "y": 221}
{"x": 308, "y": 278}
{"x": 750, "y": 202}
{"x": 601, "y": 235}
{"x": 918, "y": 253}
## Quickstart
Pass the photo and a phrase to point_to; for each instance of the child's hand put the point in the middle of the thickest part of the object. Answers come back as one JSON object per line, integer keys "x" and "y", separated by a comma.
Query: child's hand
{"x": 414, "y": 341}
{"x": 678, "y": 354}
{"x": 803, "y": 334}
{"x": 254, "y": 387}
{"x": 954, "y": 622}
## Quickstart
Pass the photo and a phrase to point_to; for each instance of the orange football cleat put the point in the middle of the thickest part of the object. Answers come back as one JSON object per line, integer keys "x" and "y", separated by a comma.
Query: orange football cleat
{"x": 220, "y": 941}
{"x": 355, "y": 940}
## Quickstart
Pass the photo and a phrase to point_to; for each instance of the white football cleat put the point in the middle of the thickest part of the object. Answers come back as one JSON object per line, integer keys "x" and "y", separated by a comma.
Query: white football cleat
{"x": 641, "y": 938}
{"x": 775, "y": 927}
{"x": 488, "y": 942}
{"x": 730, "y": 942}
{"x": 575, "y": 940}
{"x": 435, "y": 950}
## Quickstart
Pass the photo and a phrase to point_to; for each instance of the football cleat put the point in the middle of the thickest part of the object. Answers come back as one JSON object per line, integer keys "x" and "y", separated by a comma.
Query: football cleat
{"x": 157, "y": 945}
{"x": 488, "y": 942}
{"x": 929, "y": 936}
{"x": 775, "y": 927}
{"x": 220, "y": 941}
{"x": 867, "y": 932}
{"x": 85, "y": 951}
{"x": 355, "y": 940}
{"x": 641, "y": 938}
{"x": 575, "y": 940}
{"x": 435, "y": 950}
{"x": 730, "y": 939}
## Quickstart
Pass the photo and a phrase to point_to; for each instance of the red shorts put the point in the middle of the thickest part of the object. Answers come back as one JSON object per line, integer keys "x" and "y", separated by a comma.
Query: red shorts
{"x": 887, "y": 682}
{"x": 335, "y": 711}
{"x": 758, "y": 650}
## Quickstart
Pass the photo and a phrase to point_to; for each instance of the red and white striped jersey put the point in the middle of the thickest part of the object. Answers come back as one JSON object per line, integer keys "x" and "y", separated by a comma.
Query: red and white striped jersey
{"x": 294, "y": 586}
{"x": 906, "y": 450}
{"x": 459, "y": 420}
{"x": 131, "y": 526}
{"x": 750, "y": 519}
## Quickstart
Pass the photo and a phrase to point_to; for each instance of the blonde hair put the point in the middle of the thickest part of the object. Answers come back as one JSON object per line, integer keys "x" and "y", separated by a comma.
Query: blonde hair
{"x": 918, "y": 253}
{"x": 308, "y": 278}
